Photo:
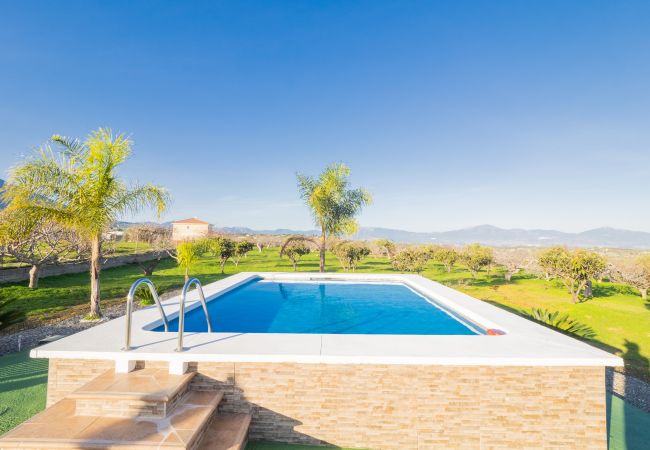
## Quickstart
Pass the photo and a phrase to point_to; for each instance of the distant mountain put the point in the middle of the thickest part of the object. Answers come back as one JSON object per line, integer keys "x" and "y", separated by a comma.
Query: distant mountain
{"x": 484, "y": 234}
{"x": 491, "y": 235}
{"x": 276, "y": 231}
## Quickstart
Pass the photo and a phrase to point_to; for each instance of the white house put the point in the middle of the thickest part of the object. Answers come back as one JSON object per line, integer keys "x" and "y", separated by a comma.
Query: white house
{"x": 189, "y": 229}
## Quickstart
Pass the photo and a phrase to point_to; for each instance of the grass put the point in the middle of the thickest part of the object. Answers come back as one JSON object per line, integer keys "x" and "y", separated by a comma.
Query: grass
{"x": 617, "y": 314}
{"x": 125, "y": 248}
{"x": 23, "y": 390}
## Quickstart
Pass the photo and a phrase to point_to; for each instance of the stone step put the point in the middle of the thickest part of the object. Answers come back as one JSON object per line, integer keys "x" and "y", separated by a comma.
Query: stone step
{"x": 58, "y": 427}
{"x": 226, "y": 432}
{"x": 146, "y": 393}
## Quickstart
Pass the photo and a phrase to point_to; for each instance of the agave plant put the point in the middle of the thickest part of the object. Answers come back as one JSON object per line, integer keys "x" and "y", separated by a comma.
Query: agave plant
{"x": 144, "y": 295}
{"x": 561, "y": 322}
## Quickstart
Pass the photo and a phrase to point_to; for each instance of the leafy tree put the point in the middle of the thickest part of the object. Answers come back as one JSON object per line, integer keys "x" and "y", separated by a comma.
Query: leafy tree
{"x": 350, "y": 254}
{"x": 636, "y": 273}
{"x": 78, "y": 188}
{"x": 36, "y": 242}
{"x": 575, "y": 269}
{"x": 554, "y": 261}
{"x": 387, "y": 246}
{"x": 223, "y": 248}
{"x": 476, "y": 257}
{"x": 411, "y": 259}
{"x": 333, "y": 204}
{"x": 447, "y": 256}
{"x": 241, "y": 250}
{"x": 295, "y": 250}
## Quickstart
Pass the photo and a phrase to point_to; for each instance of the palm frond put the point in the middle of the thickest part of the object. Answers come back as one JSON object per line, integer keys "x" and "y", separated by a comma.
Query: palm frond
{"x": 134, "y": 199}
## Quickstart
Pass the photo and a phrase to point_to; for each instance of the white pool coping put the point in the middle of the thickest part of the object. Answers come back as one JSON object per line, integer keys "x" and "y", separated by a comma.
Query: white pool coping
{"x": 524, "y": 344}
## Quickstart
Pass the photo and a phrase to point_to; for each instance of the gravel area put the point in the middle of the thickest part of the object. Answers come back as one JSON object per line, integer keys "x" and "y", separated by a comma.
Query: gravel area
{"x": 633, "y": 390}
{"x": 29, "y": 338}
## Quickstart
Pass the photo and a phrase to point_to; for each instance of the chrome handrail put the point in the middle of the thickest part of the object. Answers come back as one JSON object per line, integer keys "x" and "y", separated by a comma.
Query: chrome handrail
{"x": 181, "y": 311}
{"x": 129, "y": 308}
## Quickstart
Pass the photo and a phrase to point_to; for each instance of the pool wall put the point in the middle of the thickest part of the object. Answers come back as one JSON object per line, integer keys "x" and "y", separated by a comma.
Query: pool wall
{"x": 397, "y": 406}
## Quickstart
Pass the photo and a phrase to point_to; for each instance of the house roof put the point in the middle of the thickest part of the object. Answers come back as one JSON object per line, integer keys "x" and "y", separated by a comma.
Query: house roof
{"x": 192, "y": 220}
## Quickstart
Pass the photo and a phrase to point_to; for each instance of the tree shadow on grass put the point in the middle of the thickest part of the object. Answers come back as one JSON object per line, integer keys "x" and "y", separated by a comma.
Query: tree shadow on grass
{"x": 18, "y": 372}
{"x": 608, "y": 290}
{"x": 493, "y": 281}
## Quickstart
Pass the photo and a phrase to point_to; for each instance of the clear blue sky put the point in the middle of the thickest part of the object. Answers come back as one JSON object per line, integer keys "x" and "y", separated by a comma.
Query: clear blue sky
{"x": 527, "y": 114}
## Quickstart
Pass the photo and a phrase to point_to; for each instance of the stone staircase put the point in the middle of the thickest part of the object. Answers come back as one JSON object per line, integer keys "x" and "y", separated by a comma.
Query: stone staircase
{"x": 144, "y": 409}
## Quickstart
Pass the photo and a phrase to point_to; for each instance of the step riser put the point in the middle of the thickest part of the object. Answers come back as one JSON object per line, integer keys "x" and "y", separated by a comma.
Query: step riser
{"x": 129, "y": 413}
{"x": 89, "y": 405}
{"x": 129, "y": 408}
{"x": 121, "y": 408}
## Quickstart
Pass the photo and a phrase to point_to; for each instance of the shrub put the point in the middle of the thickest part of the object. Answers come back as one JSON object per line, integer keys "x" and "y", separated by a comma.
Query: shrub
{"x": 476, "y": 257}
{"x": 387, "y": 247}
{"x": 223, "y": 248}
{"x": 350, "y": 254}
{"x": 241, "y": 250}
{"x": 294, "y": 251}
{"x": 411, "y": 260}
{"x": 575, "y": 268}
{"x": 447, "y": 256}
{"x": 144, "y": 296}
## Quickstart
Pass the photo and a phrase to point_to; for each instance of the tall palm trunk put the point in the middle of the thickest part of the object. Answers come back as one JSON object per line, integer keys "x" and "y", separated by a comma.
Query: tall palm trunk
{"x": 95, "y": 268}
{"x": 322, "y": 251}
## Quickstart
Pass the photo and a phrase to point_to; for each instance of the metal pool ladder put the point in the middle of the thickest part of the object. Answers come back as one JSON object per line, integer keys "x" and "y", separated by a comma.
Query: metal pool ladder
{"x": 129, "y": 308}
{"x": 181, "y": 311}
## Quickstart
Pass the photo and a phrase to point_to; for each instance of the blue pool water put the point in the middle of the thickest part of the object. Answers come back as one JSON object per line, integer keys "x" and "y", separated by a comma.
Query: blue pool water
{"x": 323, "y": 307}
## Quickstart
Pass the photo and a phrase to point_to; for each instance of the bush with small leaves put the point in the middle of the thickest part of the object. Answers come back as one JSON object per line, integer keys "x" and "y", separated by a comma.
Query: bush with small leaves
{"x": 575, "y": 268}
{"x": 411, "y": 259}
{"x": 387, "y": 247}
{"x": 294, "y": 251}
{"x": 241, "y": 250}
{"x": 476, "y": 258}
{"x": 448, "y": 256}
{"x": 350, "y": 254}
{"x": 220, "y": 247}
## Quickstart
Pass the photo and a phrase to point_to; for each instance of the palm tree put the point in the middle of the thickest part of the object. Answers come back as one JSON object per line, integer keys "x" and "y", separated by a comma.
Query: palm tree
{"x": 187, "y": 254}
{"x": 333, "y": 204}
{"x": 78, "y": 188}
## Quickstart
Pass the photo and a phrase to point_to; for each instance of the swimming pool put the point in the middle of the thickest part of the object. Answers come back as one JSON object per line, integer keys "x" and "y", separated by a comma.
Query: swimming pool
{"x": 325, "y": 307}
{"x": 290, "y": 348}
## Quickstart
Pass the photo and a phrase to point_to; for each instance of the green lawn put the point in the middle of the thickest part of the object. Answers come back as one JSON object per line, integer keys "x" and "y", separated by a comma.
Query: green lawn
{"x": 23, "y": 389}
{"x": 618, "y": 315}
